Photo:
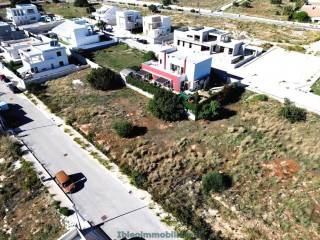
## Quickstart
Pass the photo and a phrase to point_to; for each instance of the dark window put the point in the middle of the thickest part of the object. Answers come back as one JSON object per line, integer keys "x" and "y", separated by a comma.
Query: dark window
{"x": 61, "y": 63}
{"x": 59, "y": 54}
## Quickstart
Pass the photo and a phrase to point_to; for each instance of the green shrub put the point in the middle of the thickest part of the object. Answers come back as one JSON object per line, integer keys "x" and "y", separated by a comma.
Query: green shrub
{"x": 10, "y": 148}
{"x": 123, "y": 128}
{"x": 275, "y": 1}
{"x": 166, "y": 2}
{"x": 301, "y": 16}
{"x": 167, "y": 106}
{"x": 150, "y": 55}
{"x": 292, "y": 113}
{"x": 258, "y": 97}
{"x": 56, "y": 204}
{"x": 143, "y": 85}
{"x": 35, "y": 88}
{"x": 153, "y": 8}
{"x": 65, "y": 211}
{"x": 209, "y": 110}
{"x": 81, "y": 3}
{"x": 104, "y": 79}
{"x": 215, "y": 182}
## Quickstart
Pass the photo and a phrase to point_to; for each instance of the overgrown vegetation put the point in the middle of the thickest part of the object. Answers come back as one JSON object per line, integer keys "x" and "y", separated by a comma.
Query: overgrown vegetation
{"x": 292, "y": 113}
{"x": 272, "y": 163}
{"x": 167, "y": 106}
{"x": 215, "y": 182}
{"x": 24, "y": 211}
{"x": 123, "y": 128}
{"x": 104, "y": 79}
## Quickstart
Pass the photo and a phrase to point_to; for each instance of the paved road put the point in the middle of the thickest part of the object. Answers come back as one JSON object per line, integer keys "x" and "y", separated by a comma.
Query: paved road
{"x": 208, "y": 12}
{"x": 103, "y": 195}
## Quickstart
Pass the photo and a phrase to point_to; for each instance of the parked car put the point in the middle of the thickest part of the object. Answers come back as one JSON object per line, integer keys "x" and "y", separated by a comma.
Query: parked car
{"x": 64, "y": 181}
{"x": 3, "y": 78}
{"x": 14, "y": 88}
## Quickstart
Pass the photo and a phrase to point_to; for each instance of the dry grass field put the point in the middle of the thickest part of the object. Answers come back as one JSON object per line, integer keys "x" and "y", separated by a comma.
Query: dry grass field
{"x": 26, "y": 208}
{"x": 274, "y": 165}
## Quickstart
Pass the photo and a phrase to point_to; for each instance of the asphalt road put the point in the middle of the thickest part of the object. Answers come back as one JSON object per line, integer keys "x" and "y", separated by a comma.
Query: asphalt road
{"x": 103, "y": 199}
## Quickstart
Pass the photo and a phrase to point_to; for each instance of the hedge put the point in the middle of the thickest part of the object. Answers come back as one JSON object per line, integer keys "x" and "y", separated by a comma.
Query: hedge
{"x": 145, "y": 86}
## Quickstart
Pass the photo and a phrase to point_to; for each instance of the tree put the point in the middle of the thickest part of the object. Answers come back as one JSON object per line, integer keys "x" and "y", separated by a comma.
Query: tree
{"x": 215, "y": 182}
{"x": 167, "y": 106}
{"x": 287, "y": 10}
{"x": 123, "y": 128}
{"x": 209, "y": 110}
{"x": 81, "y": 3}
{"x": 246, "y": 4}
{"x": 153, "y": 8}
{"x": 101, "y": 25}
{"x": 166, "y": 2}
{"x": 301, "y": 16}
{"x": 150, "y": 55}
{"x": 104, "y": 79}
{"x": 292, "y": 113}
{"x": 14, "y": 2}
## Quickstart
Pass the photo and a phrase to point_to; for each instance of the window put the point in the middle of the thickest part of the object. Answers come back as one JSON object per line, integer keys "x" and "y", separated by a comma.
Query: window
{"x": 178, "y": 42}
{"x": 59, "y": 54}
{"x": 52, "y": 65}
{"x": 196, "y": 37}
{"x": 30, "y": 11}
{"x": 160, "y": 61}
{"x": 61, "y": 63}
{"x": 190, "y": 45}
{"x": 230, "y": 50}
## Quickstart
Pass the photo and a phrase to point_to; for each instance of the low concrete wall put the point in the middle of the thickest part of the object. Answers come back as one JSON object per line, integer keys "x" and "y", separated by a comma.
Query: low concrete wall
{"x": 148, "y": 95}
{"x": 51, "y": 75}
{"x": 72, "y": 234}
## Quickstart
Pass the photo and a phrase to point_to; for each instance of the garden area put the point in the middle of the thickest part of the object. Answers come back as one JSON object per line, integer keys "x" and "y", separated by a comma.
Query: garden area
{"x": 118, "y": 57}
{"x": 252, "y": 174}
{"x": 26, "y": 208}
{"x": 66, "y": 10}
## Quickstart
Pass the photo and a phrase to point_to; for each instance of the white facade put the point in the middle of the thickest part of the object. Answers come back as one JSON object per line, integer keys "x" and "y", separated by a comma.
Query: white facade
{"x": 156, "y": 26}
{"x": 77, "y": 33}
{"x": 128, "y": 19}
{"x": 42, "y": 57}
{"x": 23, "y": 14}
{"x": 11, "y": 48}
{"x": 207, "y": 40}
{"x": 183, "y": 71}
{"x": 106, "y": 14}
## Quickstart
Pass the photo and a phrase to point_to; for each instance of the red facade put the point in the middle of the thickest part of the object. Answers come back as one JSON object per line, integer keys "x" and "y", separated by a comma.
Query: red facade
{"x": 156, "y": 73}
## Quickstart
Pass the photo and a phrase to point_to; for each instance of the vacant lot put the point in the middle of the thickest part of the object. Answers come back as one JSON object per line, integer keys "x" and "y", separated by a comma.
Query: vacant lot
{"x": 210, "y": 4}
{"x": 26, "y": 210}
{"x": 262, "y": 8}
{"x": 316, "y": 88}
{"x": 66, "y": 10}
{"x": 274, "y": 164}
{"x": 118, "y": 57}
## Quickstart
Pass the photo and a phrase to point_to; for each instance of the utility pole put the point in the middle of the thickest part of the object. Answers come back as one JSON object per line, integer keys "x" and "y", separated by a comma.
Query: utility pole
{"x": 199, "y": 7}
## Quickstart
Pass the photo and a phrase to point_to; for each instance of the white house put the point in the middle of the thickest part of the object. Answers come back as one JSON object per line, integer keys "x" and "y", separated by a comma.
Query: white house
{"x": 11, "y": 48}
{"x": 23, "y": 14}
{"x": 128, "y": 19}
{"x": 77, "y": 33}
{"x": 157, "y": 27}
{"x": 225, "y": 51}
{"x": 107, "y": 14}
{"x": 178, "y": 70}
{"x": 42, "y": 57}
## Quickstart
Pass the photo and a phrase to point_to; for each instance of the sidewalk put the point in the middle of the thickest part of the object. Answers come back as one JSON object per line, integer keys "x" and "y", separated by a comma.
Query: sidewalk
{"x": 54, "y": 190}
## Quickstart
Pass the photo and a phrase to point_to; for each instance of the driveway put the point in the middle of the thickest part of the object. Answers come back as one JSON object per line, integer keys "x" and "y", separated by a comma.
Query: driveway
{"x": 103, "y": 199}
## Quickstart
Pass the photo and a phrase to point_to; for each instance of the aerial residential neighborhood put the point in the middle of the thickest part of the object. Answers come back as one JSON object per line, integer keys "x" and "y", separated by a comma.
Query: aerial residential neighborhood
{"x": 160, "y": 119}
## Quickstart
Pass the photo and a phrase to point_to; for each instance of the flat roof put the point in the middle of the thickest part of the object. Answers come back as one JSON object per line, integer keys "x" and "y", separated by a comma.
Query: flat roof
{"x": 192, "y": 57}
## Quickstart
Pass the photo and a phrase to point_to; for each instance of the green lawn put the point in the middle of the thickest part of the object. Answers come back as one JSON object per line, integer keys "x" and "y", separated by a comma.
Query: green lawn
{"x": 316, "y": 87}
{"x": 119, "y": 57}
{"x": 65, "y": 9}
